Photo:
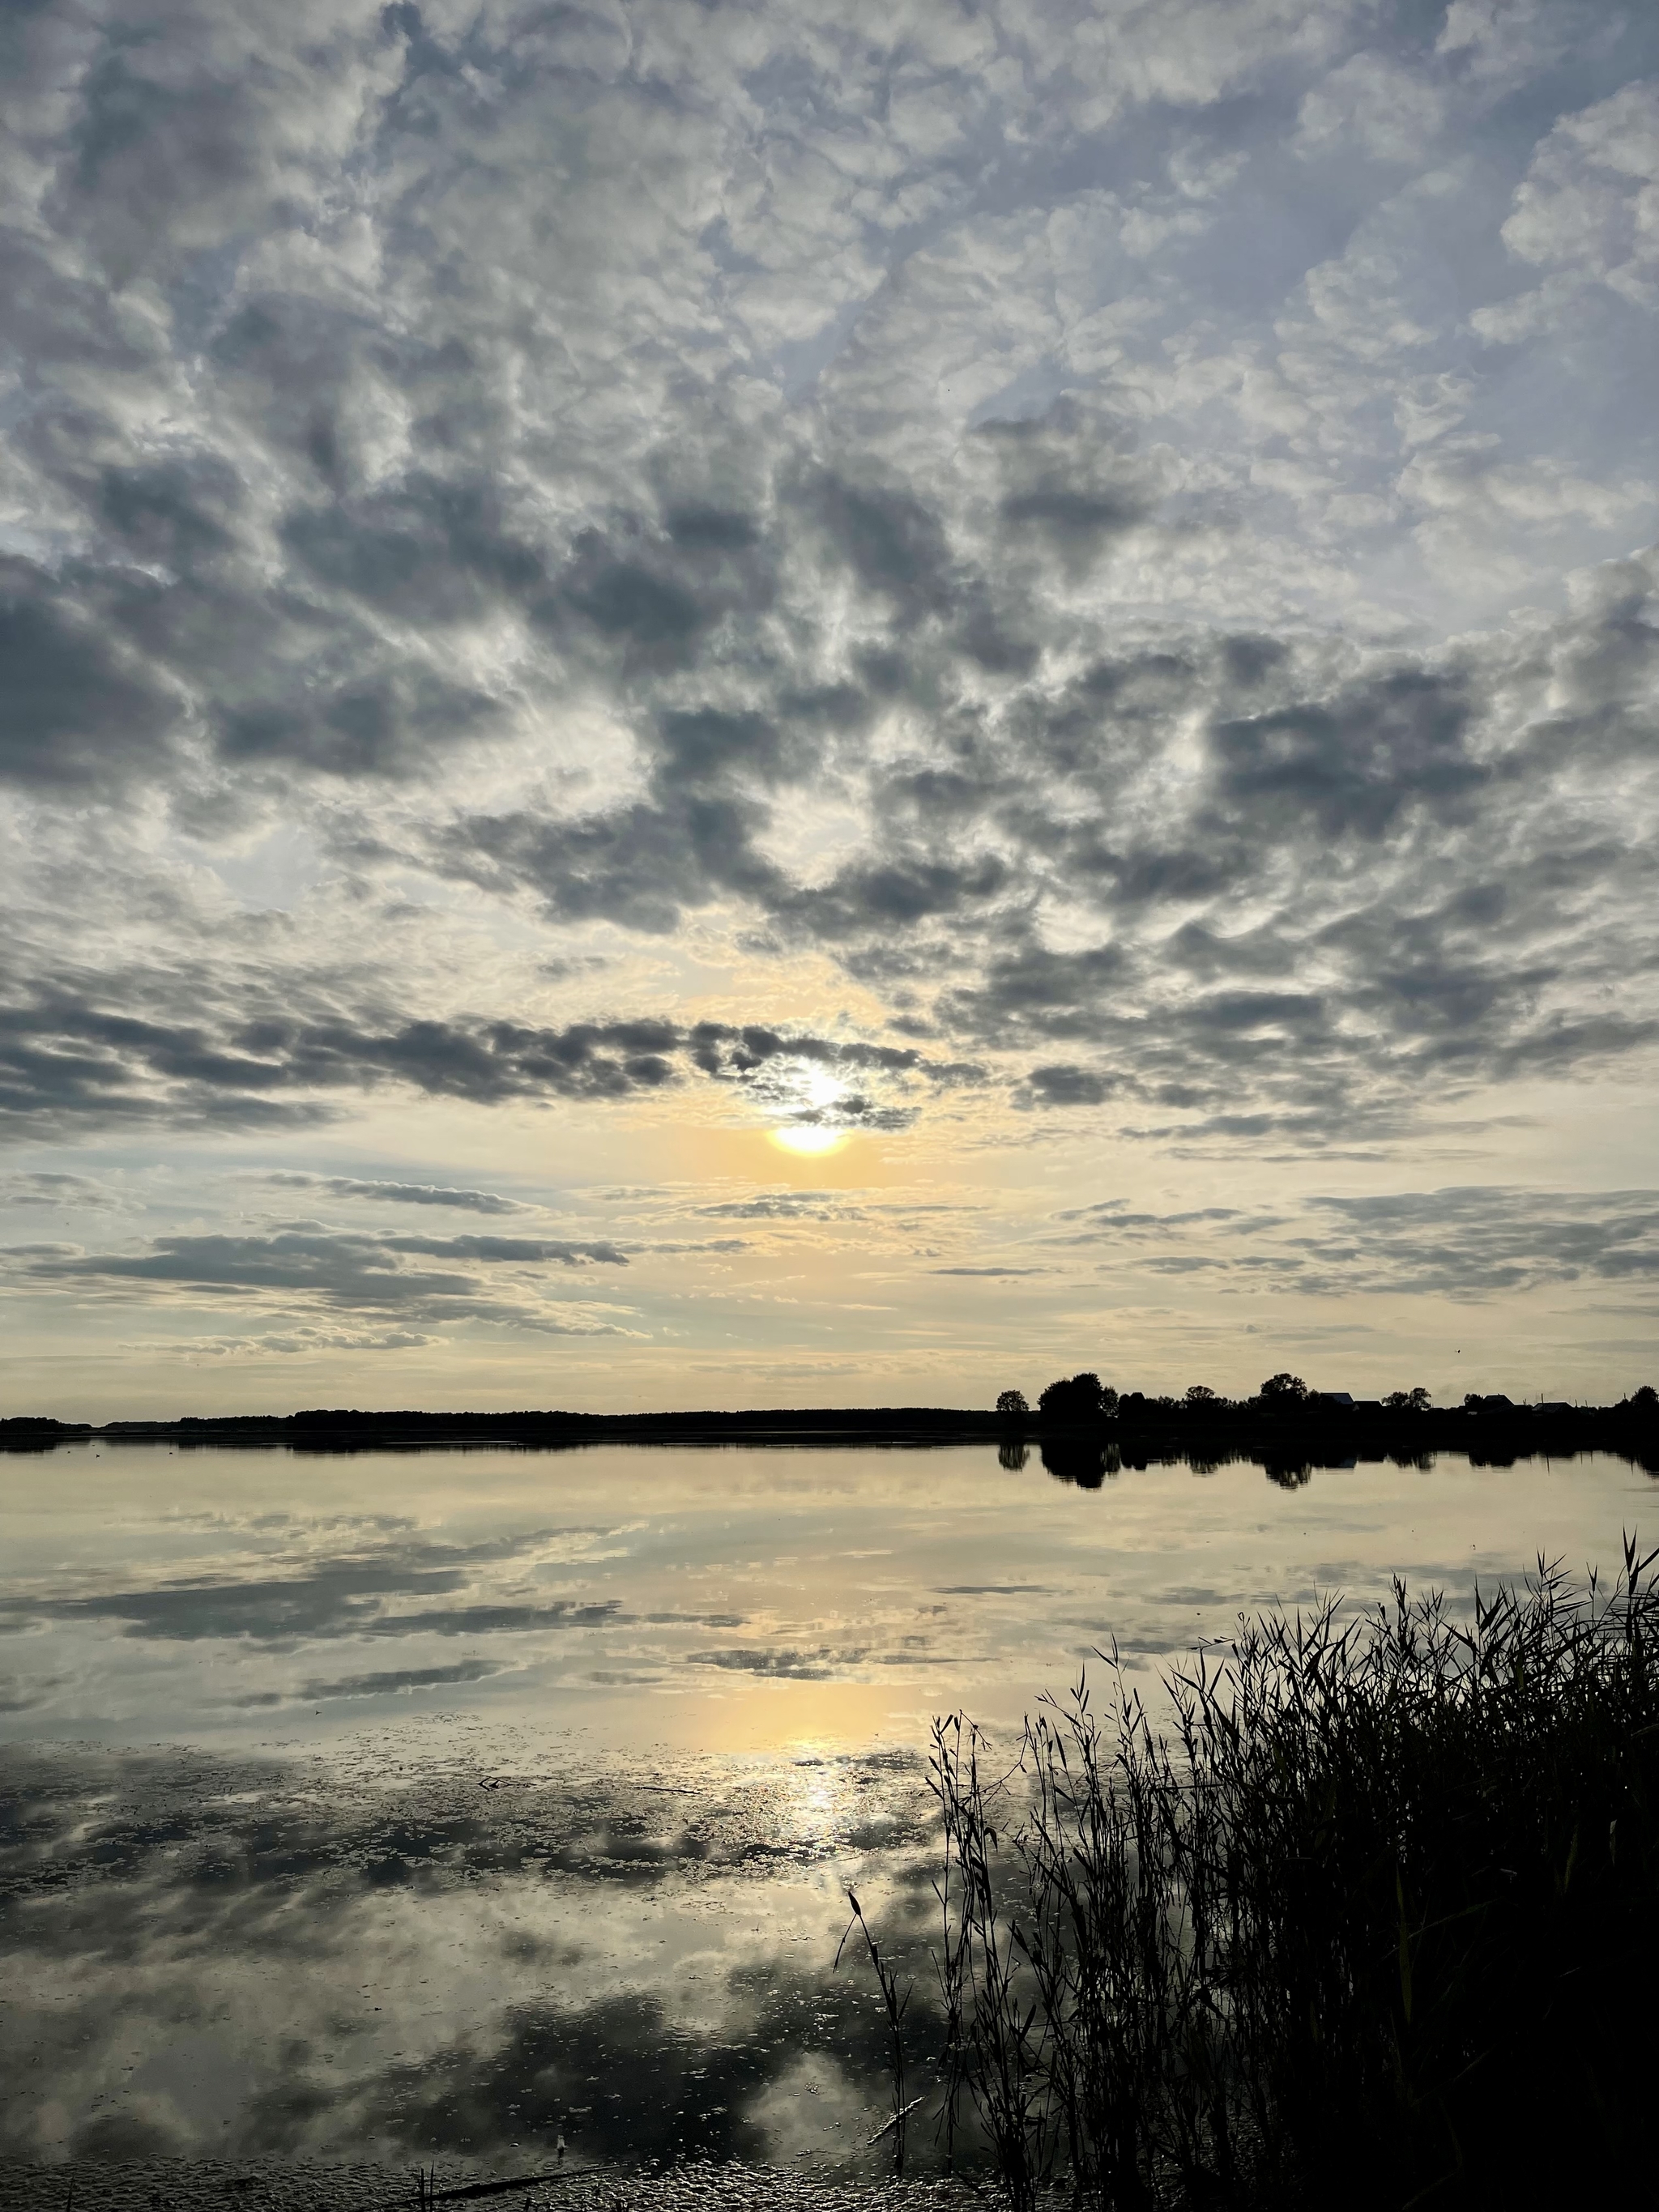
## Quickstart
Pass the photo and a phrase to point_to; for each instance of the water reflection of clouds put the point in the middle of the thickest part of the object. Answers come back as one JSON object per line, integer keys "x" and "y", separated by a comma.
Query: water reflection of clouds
{"x": 577, "y": 1756}
{"x": 228, "y": 1958}
{"x": 732, "y": 1599}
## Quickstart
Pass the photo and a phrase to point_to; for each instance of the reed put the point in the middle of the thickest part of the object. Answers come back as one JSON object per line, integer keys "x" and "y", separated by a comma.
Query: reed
{"x": 897, "y": 2123}
{"x": 1373, "y": 1909}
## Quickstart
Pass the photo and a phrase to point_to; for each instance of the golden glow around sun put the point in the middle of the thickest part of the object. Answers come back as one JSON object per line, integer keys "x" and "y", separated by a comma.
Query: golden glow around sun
{"x": 809, "y": 1137}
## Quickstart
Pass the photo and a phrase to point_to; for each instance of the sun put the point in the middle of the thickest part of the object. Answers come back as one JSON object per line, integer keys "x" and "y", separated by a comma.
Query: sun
{"x": 808, "y": 1136}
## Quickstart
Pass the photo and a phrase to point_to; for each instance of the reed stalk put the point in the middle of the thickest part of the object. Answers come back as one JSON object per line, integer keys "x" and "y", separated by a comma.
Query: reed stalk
{"x": 1374, "y": 1903}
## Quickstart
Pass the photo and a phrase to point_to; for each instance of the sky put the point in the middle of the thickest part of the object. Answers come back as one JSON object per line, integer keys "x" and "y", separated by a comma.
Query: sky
{"x": 782, "y": 704}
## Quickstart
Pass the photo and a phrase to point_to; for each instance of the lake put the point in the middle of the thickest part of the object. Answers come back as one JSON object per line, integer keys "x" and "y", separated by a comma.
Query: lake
{"x": 414, "y": 1804}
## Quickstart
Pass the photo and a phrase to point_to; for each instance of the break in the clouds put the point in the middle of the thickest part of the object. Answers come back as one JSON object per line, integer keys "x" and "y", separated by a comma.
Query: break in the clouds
{"x": 1068, "y": 593}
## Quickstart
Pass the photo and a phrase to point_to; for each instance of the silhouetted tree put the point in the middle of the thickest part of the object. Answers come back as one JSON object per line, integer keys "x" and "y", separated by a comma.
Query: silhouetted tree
{"x": 1644, "y": 1402}
{"x": 1407, "y": 1402}
{"x": 1074, "y": 1400}
{"x": 1012, "y": 1405}
{"x": 1280, "y": 1392}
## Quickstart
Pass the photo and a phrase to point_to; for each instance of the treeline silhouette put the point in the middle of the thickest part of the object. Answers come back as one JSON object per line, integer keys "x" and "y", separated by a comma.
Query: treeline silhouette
{"x": 1085, "y": 1428}
{"x": 1087, "y": 1431}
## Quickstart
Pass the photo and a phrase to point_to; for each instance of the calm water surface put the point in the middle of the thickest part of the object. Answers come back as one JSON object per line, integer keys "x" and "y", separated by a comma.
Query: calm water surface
{"x": 415, "y": 1804}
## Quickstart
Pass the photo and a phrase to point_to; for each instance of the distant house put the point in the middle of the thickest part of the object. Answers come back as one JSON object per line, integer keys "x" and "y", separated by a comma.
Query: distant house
{"x": 1343, "y": 1398}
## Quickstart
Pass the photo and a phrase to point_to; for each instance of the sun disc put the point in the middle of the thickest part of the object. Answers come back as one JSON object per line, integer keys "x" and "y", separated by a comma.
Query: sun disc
{"x": 809, "y": 1137}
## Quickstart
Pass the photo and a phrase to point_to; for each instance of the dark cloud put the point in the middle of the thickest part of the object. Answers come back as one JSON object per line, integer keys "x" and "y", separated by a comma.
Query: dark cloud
{"x": 523, "y": 1251}
{"x": 1476, "y": 1243}
{"x": 785, "y": 1205}
{"x": 988, "y": 1271}
{"x": 897, "y": 893}
{"x": 1353, "y": 766}
{"x": 781, "y": 1662}
{"x": 891, "y": 539}
{"x": 1071, "y": 476}
{"x": 65, "y": 1063}
{"x": 398, "y": 1194}
{"x": 62, "y": 1061}
{"x": 47, "y": 1189}
{"x": 1062, "y": 1083}
{"x": 307, "y": 1270}
{"x": 391, "y": 1681}
{"x": 352, "y": 1269}
{"x": 641, "y": 866}
{"x": 724, "y": 1048}
{"x": 80, "y": 716}
{"x": 501, "y": 1620}
{"x": 429, "y": 550}
{"x": 1467, "y": 1243}
{"x": 384, "y": 726}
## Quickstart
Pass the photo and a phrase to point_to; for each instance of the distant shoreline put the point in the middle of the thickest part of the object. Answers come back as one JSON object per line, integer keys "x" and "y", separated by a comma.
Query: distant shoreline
{"x": 1320, "y": 1432}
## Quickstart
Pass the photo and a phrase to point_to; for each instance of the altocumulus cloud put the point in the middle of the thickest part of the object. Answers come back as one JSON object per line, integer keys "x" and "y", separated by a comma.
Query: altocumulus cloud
{"x": 69, "y": 1062}
{"x": 306, "y": 1265}
{"x": 1466, "y": 1242}
{"x": 397, "y": 1194}
{"x": 1114, "y": 535}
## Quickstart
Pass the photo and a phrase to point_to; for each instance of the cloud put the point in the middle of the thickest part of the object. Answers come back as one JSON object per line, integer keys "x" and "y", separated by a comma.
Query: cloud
{"x": 69, "y": 1062}
{"x": 46, "y": 1188}
{"x": 987, "y": 1271}
{"x": 780, "y": 1663}
{"x": 304, "y": 1339}
{"x": 81, "y": 715}
{"x": 1588, "y": 214}
{"x": 1466, "y": 1243}
{"x": 309, "y": 1273}
{"x": 1480, "y": 1241}
{"x": 499, "y": 1620}
{"x": 397, "y": 1194}
{"x": 1085, "y": 563}
{"x": 1373, "y": 103}
{"x": 1352, "y": 765}
{"x": 392, "y": 1681}
{"x": 784, "y": 1205}
{"x": 308, "y": 1257}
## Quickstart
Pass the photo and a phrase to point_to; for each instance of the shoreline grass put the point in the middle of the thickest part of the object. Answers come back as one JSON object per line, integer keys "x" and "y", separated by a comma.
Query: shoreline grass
{"x": 1374, "y": 1913}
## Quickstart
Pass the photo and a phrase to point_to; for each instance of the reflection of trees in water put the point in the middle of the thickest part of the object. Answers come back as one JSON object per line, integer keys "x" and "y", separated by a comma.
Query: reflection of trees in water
{"x": 1085, "y": 1464}
{"x": 1012, "y": 1454}
{"x": 1289, "y": 1473}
